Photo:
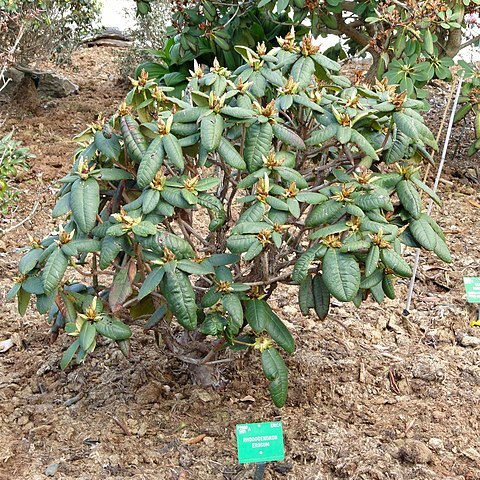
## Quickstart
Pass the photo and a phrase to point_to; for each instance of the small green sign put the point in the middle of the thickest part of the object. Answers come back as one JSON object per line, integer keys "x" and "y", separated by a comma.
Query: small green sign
{"x": 472, "y": 287}
{"x": 260, "y": 442}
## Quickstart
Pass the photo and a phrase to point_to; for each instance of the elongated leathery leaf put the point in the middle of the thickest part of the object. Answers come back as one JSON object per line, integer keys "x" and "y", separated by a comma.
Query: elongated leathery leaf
{"x": 372, "y": 259}
{"x": 84, "y": 201}
{"x": 110, "y": 147}
{"x": 113, "y": 328}
{"x": 278, "y": 331}
{"x": 288, "y": 136}
{"x": 87, "y": 335}
{"x": 276, "y": 371}
{"x": 341, "y": 274}
{"x": 151, "y": 162}
{"x": 151, "y": 282}
{"x": 211, "y": 130}
{"x": 423, "y": 232}
{"x": 230, "y": 155}
{"x": 62, "y": 206}
{"x": 178, "y": 292}
{"x": 395, "y": 262}
{"x": 305, "y": 295}
{"x": 321, "y": 297}
{"x": 410, "y": 198}
{"x": 134, "y": 140}
{"x": 300, "y": 269}
{"x": 257, "y": 314}
{"x": 322, "y": 213}
{"x": 69, "y": 354}
{"x": 29, "y": 260}
{"x": 258, "y": 141}
{"x": 173, "y": 151}
{"x": 233, "y": 306}
{"x": 54, "y": 270}
{"x": 303, "y": 70}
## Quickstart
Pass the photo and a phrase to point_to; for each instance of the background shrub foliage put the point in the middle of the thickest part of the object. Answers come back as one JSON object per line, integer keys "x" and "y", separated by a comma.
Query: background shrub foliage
{"x": 190, "y": 211}
{"x": 410, "y": 41}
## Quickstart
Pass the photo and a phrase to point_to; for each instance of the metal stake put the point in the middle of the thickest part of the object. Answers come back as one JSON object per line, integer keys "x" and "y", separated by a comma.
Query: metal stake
{"x": 435, "y": 187}
{"x": 259, "y": 471}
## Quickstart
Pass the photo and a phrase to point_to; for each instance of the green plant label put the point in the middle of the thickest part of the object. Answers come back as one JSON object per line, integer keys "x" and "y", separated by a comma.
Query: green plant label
{"x": 260, "y": 442}
{"x": 472, "y": 287}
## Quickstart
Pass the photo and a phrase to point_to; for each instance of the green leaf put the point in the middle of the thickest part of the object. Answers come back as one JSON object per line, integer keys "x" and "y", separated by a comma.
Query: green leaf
{"x": 388, "y": 287}
{"x": 151, "y": 197}
{"x": 341, "y": 274}
{"x": 144, "y": 229}
{"x": 173, "y": 151}
{"x": 84, "y": 201}
{"x": 374, "y": 279}
{"x": 12, "y": 293}
{"x": 29, "y": 261}
{"x": 321, "y": 297}
{"x": 257, "y": 314}
{"x": 62, "y": 206}
{"x": 423, "y": 233}
{"x": 364, "y": 144}
{"x": 233, "y": 306}
{"x": 278, "y": 331}
{"x": 410, "y": 198}
{"x": 54, "y": 270}
{"x": 110, "y": 147}
{"x": 69, "y": 354}
{"x": 323, "y": 213}
{"x": 133, "y": 138}
{"x": 372, "y": 259}
{"x": 150, "y": 163}
{"x": 255, "y": 249}
{"x": 211, "y": 131}
{"x": 326, "y": 63}
{"x": 230, "y": 155}
{"x": 121, "y": 289}
{"x": 275, "y": 370}
{"x": 258, "y": 140}
{"x": 441, "y": 250}
{"x": 33, "y": 285}
{"x": 300, "y": 269}
{"x": 23, "y": 298}
{"x": 287, "y": 136}
{"x": 87, "y": 335}
{"x": 178, "y": 292}
{"x": 240, "y": 243}
{"x": 319, "y": 137}
{"x": 426, "y": 189}
{"x": 395, "y": 262}
{"x": 110, "y": 248}
{"x": 194, "y": 268}
{"x": 305, "y": 295}
{"x": 302, "y": 71}
{"x": 113, "y": 328}
{"x": 151, "y": 282}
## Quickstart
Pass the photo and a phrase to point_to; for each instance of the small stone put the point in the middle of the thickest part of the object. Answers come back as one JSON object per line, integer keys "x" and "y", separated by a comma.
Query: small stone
{"x": 290, "y": 310}
{"x": 472, "y": 454}
{"x": 468, "y": 340}
{"x": 52, "y": 469}
{"x": 436, "y": 444}
{"x": 415, "y": 451}
{"x": 209, "y": 441}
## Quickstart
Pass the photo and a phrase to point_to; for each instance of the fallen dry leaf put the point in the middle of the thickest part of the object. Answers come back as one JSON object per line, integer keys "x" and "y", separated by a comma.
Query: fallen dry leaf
{"x": 194, "y": 440}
